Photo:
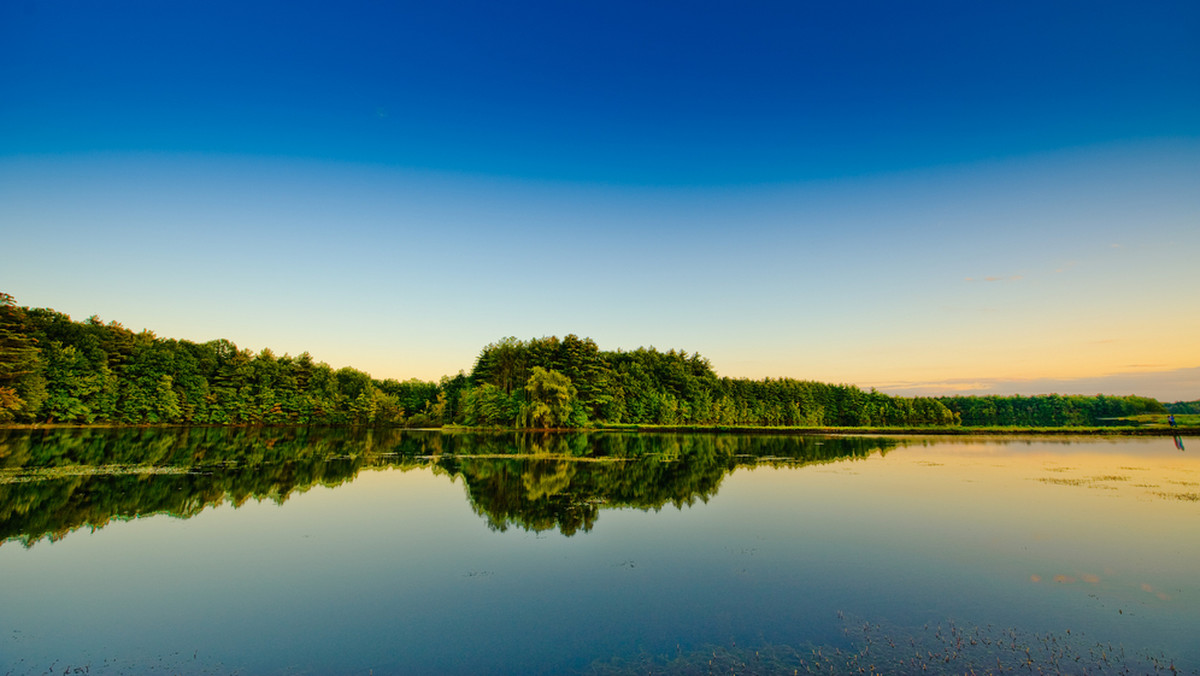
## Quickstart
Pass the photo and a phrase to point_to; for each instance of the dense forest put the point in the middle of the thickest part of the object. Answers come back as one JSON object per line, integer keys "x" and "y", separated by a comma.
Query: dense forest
{"x": 56, "y": 370}
{"x": 1179, "y": 407}
{"x": 53, "y": 369}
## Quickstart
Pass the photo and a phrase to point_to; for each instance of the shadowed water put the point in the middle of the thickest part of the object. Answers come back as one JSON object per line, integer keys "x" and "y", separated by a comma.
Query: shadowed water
{"x": 317, "y": 551}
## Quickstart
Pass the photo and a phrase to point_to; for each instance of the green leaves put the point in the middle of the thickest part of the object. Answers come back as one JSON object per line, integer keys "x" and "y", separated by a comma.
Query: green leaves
{"x": 22, "y": 385}
{"x": 550, "y": 399}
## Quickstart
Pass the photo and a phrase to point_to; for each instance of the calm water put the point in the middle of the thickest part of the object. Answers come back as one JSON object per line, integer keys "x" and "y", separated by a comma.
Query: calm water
{"x": 267, "y": 551}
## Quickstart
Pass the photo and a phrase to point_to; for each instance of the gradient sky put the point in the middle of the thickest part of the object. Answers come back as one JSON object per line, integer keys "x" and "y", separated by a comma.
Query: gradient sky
{"x": 930, "y": 197}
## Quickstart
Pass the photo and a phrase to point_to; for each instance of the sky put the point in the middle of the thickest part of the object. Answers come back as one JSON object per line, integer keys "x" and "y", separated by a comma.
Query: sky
{"x": 920, "y": 197}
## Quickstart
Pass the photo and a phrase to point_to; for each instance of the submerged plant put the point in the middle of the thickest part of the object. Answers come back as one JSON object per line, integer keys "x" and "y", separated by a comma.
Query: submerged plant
{"x": 877, "y": 648}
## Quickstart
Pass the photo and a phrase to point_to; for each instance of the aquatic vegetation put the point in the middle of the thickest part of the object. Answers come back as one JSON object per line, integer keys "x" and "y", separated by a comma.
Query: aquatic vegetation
{"x": 878, "y": 648}
{"x": 1065, "y": 482}
{"x": 1186, "y": 497}
{"x": 1114, "y": 482}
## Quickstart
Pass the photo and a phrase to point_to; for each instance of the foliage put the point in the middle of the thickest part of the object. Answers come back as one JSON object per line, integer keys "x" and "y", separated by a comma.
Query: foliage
{"x": 1184, "y": 407}
{"x": 649, "y": 387}
{"x": 53, "y": 369}
{"x": 22, "y": 381}
{"x": 1050, "y": 410}
{"x": 549, "y": 401}
{"x": 56, "y": 370}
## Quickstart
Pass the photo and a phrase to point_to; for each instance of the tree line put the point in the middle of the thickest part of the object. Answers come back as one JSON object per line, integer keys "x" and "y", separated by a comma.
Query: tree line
{"x": 1052, "y": 410}
{"x": 1184, "y": 407}
{"x": 650, "y": 387}
{"x": 54, "y": 369}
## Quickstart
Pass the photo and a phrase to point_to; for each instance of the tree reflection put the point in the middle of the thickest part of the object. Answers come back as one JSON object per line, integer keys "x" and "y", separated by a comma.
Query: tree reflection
{"x": 562, "y": 481}
{"x": 53, "y": 482}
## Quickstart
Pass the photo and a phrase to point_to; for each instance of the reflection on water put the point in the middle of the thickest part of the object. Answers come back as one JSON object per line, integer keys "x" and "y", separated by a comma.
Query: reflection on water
{"x": 53, "y": 482}
{"x": 543, "y": 485}
{"x": 297, "y": 551}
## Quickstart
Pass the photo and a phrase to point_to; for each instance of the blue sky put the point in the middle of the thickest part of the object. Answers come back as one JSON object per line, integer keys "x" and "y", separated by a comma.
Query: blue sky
{"x": 919, "y": 197}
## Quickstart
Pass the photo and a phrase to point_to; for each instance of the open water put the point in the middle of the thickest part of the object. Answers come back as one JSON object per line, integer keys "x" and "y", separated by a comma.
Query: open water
{"x": 311, "y": 551}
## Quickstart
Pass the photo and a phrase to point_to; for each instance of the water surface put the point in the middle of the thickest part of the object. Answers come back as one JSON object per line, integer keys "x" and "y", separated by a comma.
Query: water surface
{"x": 333, "y": 551}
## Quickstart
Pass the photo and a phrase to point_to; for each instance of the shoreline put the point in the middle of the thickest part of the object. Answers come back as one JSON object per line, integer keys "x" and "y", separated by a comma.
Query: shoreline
{"x": 1114, "y": 430}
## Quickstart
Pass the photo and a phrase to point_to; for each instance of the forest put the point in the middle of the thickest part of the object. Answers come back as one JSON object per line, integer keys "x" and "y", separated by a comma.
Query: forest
{"x": 57, "y": 370}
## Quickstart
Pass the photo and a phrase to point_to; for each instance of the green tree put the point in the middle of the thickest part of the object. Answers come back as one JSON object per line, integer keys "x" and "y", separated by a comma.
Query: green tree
{"x": 166, "y": 402}
{"x": 488, "y": 406}
{"x": 549, "y": 399}
{"x": 22, "y": 383}
{"x": 74, "y": 390}
{"x": 503, "y": 364}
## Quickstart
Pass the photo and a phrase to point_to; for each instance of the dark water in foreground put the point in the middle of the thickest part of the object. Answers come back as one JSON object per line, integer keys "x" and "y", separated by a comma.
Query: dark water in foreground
{"x": 264, "y": 551}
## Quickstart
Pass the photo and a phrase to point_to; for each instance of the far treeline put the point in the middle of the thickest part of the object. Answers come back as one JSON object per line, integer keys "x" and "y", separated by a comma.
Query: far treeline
{"x": 56, "y": 370}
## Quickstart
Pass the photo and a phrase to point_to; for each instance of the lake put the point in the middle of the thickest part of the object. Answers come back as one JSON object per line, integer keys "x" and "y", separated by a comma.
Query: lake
{"x": 317, "y": 551}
